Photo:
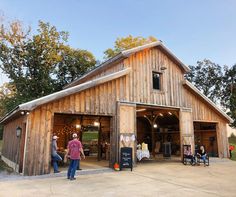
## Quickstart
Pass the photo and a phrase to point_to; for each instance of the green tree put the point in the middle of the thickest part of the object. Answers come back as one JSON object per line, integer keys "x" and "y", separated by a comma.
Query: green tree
{"x": 40, "y": 64}
{"x": 229, "y": 92}
{"x": 128, "y": 42}
{"x": 207, "y": 77}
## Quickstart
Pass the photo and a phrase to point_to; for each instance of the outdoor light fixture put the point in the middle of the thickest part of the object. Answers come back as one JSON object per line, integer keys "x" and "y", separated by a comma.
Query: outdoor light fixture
{"x": 160, "y": 114}
{"x": 78, "y": 126}
{"x": 163, "y": 68}
{"x": 22, "y": 113}
{"x": 96, "y": 124}
{"x": 18, "y": 131}
{"x": 169, "y": 113}
{"x": 139, "y": 110}
{"x": 155, "y": 125}
{"x": 27, "y": 113}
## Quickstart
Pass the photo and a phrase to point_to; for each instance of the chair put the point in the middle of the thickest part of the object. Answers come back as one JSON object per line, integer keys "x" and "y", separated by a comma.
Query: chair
{"x": 187, "y": 155}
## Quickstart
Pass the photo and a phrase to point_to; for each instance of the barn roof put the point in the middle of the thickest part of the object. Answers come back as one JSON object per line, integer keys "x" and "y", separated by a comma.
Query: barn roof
{"x": 66, "y": 92}
{"x": 125, "y": 54}
{"x": 216, "y": 108}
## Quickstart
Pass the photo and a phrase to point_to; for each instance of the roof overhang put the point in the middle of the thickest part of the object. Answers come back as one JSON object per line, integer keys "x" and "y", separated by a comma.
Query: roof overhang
{"x": 63, "y": 93}
{"x": 207, "y": 100}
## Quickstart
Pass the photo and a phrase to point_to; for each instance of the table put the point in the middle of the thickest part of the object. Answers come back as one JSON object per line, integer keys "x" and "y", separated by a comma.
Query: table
{"x": 143, "y": 154}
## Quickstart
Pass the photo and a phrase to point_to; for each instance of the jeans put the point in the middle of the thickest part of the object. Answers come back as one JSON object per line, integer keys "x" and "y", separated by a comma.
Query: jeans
{"x": 72, "y": 168}
{"x": 55, "y": 159}
{"x": 78, "y": 167}
{"x": 203, "y": 157}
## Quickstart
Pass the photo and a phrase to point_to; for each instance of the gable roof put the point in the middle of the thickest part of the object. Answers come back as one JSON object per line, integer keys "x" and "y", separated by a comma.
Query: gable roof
{"x": 125, "y": 54}
{"x": 66, "y": 92}
{"x": 216, "y": 108}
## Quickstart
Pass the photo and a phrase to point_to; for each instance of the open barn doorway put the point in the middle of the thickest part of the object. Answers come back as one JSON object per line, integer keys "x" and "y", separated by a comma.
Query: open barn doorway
{"x": 94, "y": 133}
{"x": 158, "y": 128}
{"x": 205, "y": 134}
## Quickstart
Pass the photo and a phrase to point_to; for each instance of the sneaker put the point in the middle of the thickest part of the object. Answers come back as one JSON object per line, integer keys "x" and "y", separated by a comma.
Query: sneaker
{"x": 57, "y": 171}
{"x": 68, "y": 177}
{"x": 72, "y": 178}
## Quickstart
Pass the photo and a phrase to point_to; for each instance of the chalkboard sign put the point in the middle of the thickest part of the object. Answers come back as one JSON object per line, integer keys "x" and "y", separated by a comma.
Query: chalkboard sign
{"x": 126, "y": 158}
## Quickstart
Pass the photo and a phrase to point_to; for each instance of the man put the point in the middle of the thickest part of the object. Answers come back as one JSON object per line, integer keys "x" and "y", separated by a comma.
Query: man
{"x": 74, "y": 150}
{"x": 55, "y": 156}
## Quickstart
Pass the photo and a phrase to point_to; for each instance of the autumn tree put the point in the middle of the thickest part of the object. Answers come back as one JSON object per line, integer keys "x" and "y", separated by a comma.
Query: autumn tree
{"x": 128, "y": 42}
{"x": 39, "y": 64}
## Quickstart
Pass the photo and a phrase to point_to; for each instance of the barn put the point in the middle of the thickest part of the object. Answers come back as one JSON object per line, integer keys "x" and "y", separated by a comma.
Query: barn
{"x": 139, "y": 95}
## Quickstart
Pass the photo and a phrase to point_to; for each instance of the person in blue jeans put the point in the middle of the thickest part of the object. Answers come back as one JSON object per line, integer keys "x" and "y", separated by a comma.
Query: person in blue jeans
{"x": 74, "y": 150}
{"x": 202, "y": 154}
{"x": 55, "y": 156}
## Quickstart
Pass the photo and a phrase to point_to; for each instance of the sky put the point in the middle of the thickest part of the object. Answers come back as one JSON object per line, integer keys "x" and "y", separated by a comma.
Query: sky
{"x": 192, "y": 29}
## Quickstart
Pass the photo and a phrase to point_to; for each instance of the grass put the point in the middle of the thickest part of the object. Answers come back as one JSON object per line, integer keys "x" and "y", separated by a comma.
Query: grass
{"x": 0, "y": 145}
{"x": 232, "y": 141}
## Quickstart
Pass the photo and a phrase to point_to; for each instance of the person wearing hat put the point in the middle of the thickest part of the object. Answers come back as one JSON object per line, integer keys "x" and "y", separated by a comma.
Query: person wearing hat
{"x": 74, "y": 150}
{"x": 55, "y": 156}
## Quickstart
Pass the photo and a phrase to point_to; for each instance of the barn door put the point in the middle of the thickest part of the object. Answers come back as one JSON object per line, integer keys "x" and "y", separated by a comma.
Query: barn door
{"x": 126, "y": 127}
{"x": 186, "y": 129}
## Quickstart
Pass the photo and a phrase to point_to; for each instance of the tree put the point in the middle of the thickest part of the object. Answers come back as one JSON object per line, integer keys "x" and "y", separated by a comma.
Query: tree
{"x": 229, "y": 92}
{"x": 207, "y": 77}
{"x": 40, "y": 64}
{"x": 127, "y": 43}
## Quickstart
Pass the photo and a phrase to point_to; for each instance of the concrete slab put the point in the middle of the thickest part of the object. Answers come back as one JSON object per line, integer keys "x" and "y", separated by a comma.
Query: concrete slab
{"x": 148, "y": 179}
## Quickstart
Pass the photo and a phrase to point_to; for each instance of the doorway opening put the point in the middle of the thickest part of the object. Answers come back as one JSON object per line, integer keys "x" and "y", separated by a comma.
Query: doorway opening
{"x": 159, "y": 129}
{"x": 94, "y": 134}
{"x": 205, "y": 134}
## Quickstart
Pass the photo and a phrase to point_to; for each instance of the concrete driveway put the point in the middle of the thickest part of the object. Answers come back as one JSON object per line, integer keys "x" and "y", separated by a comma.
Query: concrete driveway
{"x": 149, "y": 179}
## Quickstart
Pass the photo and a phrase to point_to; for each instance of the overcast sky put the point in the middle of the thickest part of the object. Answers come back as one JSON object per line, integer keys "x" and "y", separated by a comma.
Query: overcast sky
{"x": 191, "y": 29}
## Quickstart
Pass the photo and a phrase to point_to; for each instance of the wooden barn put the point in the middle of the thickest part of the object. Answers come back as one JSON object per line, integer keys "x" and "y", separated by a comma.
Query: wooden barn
{"x": 140, "y": 95}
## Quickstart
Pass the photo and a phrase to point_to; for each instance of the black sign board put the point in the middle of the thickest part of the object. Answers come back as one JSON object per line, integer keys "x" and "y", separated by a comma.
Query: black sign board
{"x": 126, "y": 158}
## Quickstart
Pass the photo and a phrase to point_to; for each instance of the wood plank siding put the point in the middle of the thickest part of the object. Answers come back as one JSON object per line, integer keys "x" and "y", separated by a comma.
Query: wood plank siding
{"x": 103, "y": 99}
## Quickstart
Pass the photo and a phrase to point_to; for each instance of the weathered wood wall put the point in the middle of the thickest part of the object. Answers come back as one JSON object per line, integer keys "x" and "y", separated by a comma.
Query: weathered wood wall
{"x": 12, "y": 148}
{"x": 100, "y": 100}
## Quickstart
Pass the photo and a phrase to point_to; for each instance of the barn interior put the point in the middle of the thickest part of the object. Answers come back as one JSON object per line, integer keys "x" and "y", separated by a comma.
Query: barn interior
{"x": 94, "y": 134}
{"x": 205, "y": 134}
{"x": 159, "y": 129}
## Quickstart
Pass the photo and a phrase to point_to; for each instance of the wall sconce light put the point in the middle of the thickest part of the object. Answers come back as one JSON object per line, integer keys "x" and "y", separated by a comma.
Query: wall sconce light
{"x": 160, "y": 114}
{"x": 163, "y": 68}
{"x": 18, "y": 131}
{"x": 155, "y": 125}
{"x": 169, "y": 113}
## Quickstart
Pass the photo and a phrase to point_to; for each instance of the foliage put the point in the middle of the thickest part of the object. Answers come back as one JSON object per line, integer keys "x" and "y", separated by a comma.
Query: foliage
{"x": 229, "y": 93}
{"x": 40, "y": 64}
{"x": 207, "y": 77}
{"x": 128, "y": 42}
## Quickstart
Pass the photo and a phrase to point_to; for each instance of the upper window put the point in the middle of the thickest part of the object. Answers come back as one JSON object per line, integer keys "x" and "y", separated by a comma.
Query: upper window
{"x": 156, "y": 80}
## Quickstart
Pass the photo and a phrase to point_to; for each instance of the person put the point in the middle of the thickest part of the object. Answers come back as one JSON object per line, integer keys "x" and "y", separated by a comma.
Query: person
{"x": 202, "y": 154}
{"x": 74, "y": 149}
{"x": 231, "y": 148}
{"x": 189, "y": 155}
{"x": 55, "y": 156}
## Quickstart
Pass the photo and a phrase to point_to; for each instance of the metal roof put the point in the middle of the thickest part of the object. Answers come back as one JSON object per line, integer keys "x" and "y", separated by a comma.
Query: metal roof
{"x": 194, "y": 89}
{"x": 125, "y": 54}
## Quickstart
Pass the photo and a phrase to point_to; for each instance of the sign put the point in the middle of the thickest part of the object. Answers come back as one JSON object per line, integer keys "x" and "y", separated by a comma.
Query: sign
{"x": 126, "y": 156}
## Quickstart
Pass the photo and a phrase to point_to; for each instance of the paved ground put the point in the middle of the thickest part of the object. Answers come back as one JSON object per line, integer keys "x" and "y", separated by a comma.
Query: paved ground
{"x": 149, "y": 179}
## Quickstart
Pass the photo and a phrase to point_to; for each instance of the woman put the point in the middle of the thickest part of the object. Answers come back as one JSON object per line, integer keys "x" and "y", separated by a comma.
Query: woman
{"x": 202, "y": 154}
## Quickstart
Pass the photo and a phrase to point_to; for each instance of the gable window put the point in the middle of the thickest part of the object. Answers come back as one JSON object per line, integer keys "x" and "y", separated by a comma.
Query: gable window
{"x": 156, "y": 80}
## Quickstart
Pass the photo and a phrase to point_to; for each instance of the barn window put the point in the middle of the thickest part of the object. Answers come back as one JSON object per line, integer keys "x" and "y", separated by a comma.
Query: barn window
{"x": 156, "y": 80}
